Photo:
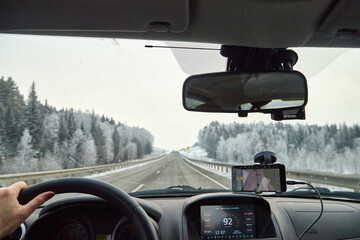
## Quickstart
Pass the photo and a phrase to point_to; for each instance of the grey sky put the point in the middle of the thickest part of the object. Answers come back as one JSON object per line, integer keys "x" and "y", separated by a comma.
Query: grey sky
{"x": 142, "y": 87}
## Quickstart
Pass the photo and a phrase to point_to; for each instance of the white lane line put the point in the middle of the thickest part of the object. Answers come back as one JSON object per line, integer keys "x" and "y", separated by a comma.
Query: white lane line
{"x": 158, "y": 172}
{"x": 136, "y": 189}
{"x": 214, "y": 181}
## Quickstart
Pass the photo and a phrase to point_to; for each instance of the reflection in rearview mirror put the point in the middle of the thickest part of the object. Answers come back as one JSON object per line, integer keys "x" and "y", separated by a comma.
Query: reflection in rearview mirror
{"x": 245, "y": 92}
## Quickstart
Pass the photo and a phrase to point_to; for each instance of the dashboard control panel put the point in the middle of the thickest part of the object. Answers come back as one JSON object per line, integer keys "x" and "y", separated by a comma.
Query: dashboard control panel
{"x": 228, "y": 221}
{"x": 227, "y": 216}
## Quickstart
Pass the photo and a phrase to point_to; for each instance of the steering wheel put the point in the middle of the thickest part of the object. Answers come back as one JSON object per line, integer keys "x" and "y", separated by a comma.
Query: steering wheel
{"x": 118, "y": 198}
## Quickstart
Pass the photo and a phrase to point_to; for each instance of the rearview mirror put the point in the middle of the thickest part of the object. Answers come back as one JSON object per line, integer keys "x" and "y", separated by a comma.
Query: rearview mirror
{"x": 266, "y": 92}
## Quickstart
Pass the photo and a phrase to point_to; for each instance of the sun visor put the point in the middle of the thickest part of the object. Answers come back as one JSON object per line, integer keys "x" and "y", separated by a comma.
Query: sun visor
{"x": 343, "y": 22}
{"x": 95, "y": 15}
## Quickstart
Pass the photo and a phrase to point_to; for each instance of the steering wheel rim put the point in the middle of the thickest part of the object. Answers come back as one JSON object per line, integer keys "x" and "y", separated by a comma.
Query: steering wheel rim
{"x": 118, "y": 198}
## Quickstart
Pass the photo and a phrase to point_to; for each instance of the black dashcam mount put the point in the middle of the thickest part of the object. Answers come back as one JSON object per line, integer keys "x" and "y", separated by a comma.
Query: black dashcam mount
{"x": 250, "y": 59}
{"x": 265, "y": 158}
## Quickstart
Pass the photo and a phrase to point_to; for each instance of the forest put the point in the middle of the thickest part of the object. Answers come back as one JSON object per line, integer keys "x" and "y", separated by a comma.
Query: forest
{"x": 332, "y": 148}
{"x": 35, "y": 136}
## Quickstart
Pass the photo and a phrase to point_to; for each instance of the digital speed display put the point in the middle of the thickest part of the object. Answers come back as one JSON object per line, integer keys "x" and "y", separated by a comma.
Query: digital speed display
{"x": 227, "y": 222}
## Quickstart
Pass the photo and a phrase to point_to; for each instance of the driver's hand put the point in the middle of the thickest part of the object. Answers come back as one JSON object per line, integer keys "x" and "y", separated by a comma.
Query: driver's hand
{"x": 12, "y": 214}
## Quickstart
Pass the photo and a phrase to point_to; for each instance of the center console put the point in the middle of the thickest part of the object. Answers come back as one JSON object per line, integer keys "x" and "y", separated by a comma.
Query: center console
{"x": 227, "y": 216}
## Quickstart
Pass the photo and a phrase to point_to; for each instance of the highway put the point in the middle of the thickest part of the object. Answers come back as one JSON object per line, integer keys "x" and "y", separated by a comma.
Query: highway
{"x": 173, "y": 170}
{"x": 170, "y": 170}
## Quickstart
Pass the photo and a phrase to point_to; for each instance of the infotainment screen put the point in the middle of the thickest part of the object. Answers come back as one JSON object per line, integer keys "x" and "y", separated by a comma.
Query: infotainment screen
{"x": 228, "y": 222}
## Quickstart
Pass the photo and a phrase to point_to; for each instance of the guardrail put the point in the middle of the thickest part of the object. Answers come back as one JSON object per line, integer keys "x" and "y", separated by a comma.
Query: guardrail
{"x": 351, "y": 181}
{"x": 10, "y": 178}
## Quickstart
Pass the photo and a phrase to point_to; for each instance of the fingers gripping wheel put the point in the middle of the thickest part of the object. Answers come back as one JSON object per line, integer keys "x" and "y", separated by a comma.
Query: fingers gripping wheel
{"x": 118, "y": 198}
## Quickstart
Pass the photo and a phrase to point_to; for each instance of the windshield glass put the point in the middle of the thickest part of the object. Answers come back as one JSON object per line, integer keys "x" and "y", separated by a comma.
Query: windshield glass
{"x": 113, "y": 109}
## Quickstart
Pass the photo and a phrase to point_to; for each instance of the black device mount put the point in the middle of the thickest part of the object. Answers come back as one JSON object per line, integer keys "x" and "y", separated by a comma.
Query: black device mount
{"x": 265, "y": 158}
{"x": 250, "y": 59}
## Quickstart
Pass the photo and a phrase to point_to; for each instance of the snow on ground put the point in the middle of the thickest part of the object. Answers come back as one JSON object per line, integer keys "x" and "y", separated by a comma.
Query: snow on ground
{"x": 197, "y": 153}
{"x": 96, "y": 175}
{"x": 228, "y": 174}
{"x": 200, "y": 154}
{"x": 159, "y": 151}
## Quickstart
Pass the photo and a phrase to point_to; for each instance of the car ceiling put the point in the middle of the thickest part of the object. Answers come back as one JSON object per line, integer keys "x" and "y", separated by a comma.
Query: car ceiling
{"x": 255, "y": 23}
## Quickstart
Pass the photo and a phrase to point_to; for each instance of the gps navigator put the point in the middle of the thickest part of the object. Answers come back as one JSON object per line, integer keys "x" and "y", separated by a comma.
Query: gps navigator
{"x": 259, "y": 178}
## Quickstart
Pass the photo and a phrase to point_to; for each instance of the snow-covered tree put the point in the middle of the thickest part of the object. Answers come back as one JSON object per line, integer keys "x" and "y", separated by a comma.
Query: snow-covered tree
{"x": 326, "y": 148}
{"x": 100, "y": 141}
{"x": 24, "y": 159}
{"x": 50, "y": 135}
{"x": 61, "y": 139}
{"x": 116, "y": 145}
{"x": 89, "y": 149}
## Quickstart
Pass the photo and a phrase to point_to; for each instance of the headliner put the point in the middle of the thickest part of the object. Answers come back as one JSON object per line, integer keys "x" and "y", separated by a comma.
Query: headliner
{"x": 255, "y": 23}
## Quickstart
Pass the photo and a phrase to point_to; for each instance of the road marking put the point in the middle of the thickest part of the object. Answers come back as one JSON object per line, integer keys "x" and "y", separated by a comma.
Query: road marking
{"x": 214, "y": 181}
{"x": 136, "y": 189}
{"x": 158, "y": 172}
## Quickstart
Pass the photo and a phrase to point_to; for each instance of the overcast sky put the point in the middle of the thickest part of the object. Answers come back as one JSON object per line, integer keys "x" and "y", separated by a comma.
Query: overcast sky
{"x": 142, "y": 87}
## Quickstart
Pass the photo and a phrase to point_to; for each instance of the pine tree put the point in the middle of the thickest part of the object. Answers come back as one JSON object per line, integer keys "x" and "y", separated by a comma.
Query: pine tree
{"x": 100, "y": 141}
{"x": 34, "y": 118}
{"x": 112, "y": 121}
{"x": 63, "y": 133}
{"x": 9, "y": 141}
{"x": 46, "y": 109}
{"x": 116, "y": 145}
{"x": 139, "y": 148}
{"x": 80, "y": 153}
{"x": 148, "y": 147}
{"x": 82, "y": 126}
{"x": 71, "y": 124}
{"x": 11, "y": 117}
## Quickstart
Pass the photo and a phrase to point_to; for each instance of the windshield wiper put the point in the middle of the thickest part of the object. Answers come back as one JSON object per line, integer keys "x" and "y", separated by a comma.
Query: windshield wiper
{"x": 176, "y": 190}
{"x": 184, "y": 188}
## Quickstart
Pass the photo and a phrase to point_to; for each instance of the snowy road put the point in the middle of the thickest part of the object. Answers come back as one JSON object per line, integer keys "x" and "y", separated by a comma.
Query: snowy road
{"x": 168, "y": 171}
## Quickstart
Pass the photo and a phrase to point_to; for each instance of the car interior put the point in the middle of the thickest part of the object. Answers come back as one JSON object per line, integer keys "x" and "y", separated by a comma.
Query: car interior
{"x": 256, "y": 37}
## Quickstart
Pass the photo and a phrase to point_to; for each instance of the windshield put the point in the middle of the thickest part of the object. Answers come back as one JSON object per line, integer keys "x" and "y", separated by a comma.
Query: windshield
{"x": 111, "y": 109}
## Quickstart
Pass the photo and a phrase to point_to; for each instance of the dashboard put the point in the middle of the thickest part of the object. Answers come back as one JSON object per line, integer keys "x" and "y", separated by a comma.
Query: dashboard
{"x": 199, "y": 217}
{"x": 87, "y": 219}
